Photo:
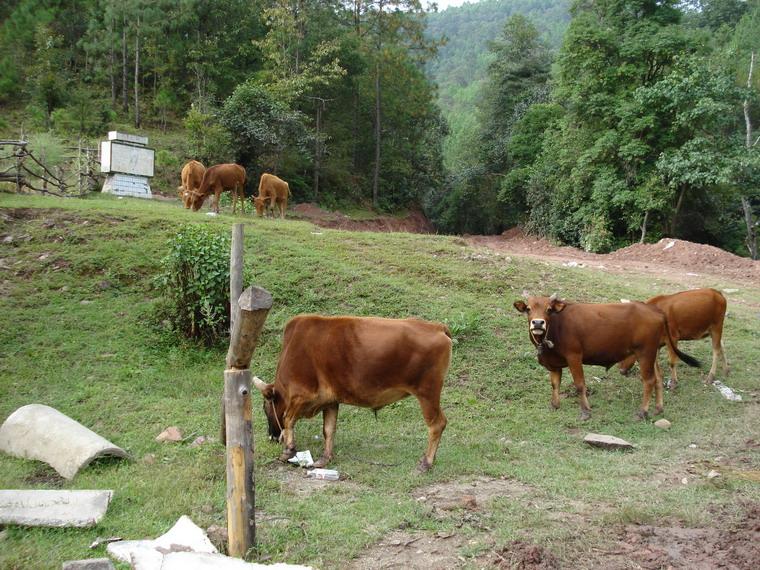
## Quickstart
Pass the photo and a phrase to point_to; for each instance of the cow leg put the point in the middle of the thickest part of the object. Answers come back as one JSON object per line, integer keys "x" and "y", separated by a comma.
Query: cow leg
{"x": 649, "y": 381}
{"x": 288, "y": 437}
{"x": 234, "y": 200}
{"x": 658, "y": 389}
{"x": 282, "y": 210}
{"x": 329, "y": 422}
{"x": 627, "y": 364}
{"x": 556, "y": 378}
{"x": 436, "y": 422}
{"x": 217, "y": 194}
{"x": 673, "y": 361}
{"x": 576, "y": 369}
{"x": 716, "y": 336}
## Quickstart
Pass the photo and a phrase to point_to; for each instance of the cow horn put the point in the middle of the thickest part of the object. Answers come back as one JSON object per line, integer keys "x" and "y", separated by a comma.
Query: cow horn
{"x": 260, "y": 384}
{"x": 553, "y": 297}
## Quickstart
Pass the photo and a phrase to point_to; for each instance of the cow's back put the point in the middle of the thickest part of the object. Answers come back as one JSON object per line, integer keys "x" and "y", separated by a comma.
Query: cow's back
{"x": 273, "y": 187}
{"x": 691, "y": 314}
{"x": 364, "y": 361}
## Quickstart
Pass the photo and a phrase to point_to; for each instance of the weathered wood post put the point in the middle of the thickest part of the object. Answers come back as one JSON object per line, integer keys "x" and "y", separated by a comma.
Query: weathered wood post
{"x": 254, "y": 303}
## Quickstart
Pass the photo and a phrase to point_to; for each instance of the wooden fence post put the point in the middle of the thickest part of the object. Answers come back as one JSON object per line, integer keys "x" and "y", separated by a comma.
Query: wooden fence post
{"x": 254, "y": 305}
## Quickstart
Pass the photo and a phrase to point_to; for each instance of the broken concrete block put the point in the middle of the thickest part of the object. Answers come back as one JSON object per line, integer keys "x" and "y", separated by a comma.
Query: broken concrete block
{"x": 53, "y": 508}
{"x": 148, "y": 554}
{"x": 607, "y": 441}
{"x": 90, "y": 564}
{"x": 45, "y": 434}
{"x": 197, "y": 561}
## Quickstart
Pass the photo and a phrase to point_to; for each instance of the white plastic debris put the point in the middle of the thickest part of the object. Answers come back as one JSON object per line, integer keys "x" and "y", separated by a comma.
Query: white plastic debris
{"x": 53, "y": 508}
{"x": 302, "y": 458}
{"x": 729, "y": 291}
{"x": 727, "y": 392}
{"x": 625, "y": 300}
{"x": 43, "y": 433}
{"x": 326, "y": 474}
{"x": 669, "y": 245}
{"x": 712, "y": 474}
{"x": 212, "y": 214}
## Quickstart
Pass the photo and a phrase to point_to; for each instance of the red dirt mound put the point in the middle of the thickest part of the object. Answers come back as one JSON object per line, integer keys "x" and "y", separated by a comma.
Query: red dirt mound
{"x": 415, "y": 222}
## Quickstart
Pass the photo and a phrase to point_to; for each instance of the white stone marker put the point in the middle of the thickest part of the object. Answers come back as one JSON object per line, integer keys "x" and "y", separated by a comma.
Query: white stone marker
{"x": 53, "y": 508}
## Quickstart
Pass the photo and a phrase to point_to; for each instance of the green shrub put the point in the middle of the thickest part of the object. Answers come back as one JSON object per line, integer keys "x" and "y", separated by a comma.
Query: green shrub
{"x": 195, "y": 282}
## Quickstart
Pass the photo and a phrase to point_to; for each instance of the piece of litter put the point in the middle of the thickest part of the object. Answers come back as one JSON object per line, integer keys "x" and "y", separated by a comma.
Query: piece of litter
{"x": 98, "y": 541}
{"x": 693, "y": 445}
{"x": 53, "y": 508}
{"x": 317, "y": 233}
{"x": 712, "y": 474}
{"x": 727, "y": 392}
{"x": 212, "y": 214}
{"x": 302, "y": 458}
{"x": 684, "y": 481}
{"x": 326, "y": 474}
{"x": 729, "y": 291}
{"x": 43, "y": 433}
{"x": 669, "y": 245}
{"x": 625, "y": 300}
{"x": 693, "y": 274}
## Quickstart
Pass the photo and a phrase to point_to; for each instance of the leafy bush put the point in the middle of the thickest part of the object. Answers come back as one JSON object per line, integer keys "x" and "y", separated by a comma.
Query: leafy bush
{"x": 195, "y": 282}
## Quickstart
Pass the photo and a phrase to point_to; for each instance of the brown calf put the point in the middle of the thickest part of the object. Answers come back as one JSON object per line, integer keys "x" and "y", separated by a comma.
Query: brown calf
{"x": 273, "y": 190}
{"x": 571, "y": 335}
{"x": 191, "y": 177}
{"x": 216, "y": 179}
{"x": 366, "y": 362}
{"x": 692, "y": 315}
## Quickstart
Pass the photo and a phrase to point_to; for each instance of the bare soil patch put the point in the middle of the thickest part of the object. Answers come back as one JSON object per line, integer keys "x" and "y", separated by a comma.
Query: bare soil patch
{"x": 293, "y": 481}
{"x": 666, "y": 257}
{"x": 414, "y": 222}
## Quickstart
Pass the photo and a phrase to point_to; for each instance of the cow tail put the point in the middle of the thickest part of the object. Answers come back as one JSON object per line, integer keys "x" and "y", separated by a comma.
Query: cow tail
{"x": 690, "y": 360}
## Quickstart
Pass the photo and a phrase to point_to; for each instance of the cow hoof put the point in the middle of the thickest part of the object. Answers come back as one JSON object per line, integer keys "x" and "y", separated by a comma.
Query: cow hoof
{"x": 322, "y": 461}
{"x": 423, "y": 466}
{"x": 641, "y": 415}
{"x": 710, "y": 379}
{"x": 585, "y": 415}
{"x": 658, "y": 411}
{"x": 287, "y": 454}
{"x": 555, "y": 406}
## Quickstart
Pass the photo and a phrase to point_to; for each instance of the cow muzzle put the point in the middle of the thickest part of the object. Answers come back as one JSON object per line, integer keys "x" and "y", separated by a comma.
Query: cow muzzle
{"x": 538, "y": 327}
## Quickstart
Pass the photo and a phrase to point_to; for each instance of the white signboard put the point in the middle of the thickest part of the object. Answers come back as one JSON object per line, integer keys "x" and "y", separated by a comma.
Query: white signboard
{"x": 126, "y": 159}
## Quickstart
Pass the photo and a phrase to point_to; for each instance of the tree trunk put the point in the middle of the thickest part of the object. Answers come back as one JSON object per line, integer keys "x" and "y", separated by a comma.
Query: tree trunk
{"x": 317, "y": 150}
{"x": 644, "y": 227}
{"x": 124, "y": 94}
{"x": 137, "y": 75}
{"x": 112, "y": 62}
{"x": 677, "y": 210}
{"x": 376, "y": 174}
{"x": 751, "y": 238}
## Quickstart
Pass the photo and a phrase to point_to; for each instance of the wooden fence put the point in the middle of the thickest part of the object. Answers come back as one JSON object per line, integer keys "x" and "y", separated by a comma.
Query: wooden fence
{"x": 75, "y": 178}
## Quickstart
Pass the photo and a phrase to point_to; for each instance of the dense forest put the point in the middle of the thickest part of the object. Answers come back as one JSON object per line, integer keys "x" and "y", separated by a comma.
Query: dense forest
{"x": 595, "y": 123}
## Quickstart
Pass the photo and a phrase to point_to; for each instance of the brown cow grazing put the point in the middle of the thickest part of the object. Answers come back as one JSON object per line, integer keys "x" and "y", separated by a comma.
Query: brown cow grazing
{"x": 273, "y": 190}
{"x": 191, "y": 176}
{"x": 366, "y": 362}
{"x": 692, "y": 315}
{"x": 571, "y": 335}
{"x": 216, "y": 179}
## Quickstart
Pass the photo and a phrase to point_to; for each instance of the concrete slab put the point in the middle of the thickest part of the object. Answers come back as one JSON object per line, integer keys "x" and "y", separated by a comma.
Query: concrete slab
{"x": 45, "y": 434}
{"x": 196, "y": 561}
{"x": 53, "y": 508}
{"x": 607, "y": 441}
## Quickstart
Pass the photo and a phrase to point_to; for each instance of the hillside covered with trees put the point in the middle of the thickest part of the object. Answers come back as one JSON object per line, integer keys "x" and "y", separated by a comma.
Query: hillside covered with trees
{"x": 593, "y": 122}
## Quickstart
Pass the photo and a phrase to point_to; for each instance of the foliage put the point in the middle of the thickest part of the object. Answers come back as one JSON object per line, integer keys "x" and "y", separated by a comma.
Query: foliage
{"x": 208, "y": 141}
{"x": 194, "y": 280}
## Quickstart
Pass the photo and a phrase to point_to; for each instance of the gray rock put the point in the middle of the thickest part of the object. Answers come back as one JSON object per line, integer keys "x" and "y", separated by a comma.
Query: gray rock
{"x": 90, "y": 564}
{"x": 607, "y": 441}
{"x": 53, "y": 508}
{"x": 662, "y": 424}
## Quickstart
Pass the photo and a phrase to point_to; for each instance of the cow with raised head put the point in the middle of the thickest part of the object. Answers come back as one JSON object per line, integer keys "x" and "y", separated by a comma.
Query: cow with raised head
{"x": 273, "y": 191}
{"x": 362, "y": 361}
{"x": 569, "y": 335}
{"x": 692, "y": 315}
{"x": 217, "y": 179}
{"x": 191, "y": 178}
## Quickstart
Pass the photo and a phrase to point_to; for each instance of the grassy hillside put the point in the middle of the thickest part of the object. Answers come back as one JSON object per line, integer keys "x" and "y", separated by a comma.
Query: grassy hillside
{"x": 461, "y": 65}
{"x": 78, "y": 332}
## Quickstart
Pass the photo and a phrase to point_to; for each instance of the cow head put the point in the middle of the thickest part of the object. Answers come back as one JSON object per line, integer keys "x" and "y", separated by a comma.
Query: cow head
{"x": 195, "y": 200}
{"x": 539, "y": 311}
{"x": 261, "y": 204}
{"x": 274, "y": 408}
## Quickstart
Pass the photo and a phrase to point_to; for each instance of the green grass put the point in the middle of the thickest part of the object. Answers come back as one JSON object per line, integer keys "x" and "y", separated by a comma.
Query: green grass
{"x": 111, "y": 365}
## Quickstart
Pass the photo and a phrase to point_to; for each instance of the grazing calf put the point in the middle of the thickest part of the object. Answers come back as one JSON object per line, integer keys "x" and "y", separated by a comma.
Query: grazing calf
{"x": 191, "y": 177}
{"x": 692, "y": 315}
{"x": 361, "y": 361}
{"x": 218, "y": 178}
{"x": 272, "y": 191}
{"x": 569, "y": 335}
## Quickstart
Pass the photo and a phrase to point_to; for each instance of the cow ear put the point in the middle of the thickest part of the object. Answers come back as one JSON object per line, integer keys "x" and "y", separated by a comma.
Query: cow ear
{"x": 556, "y": 306}
{"x": 520, "y": 306}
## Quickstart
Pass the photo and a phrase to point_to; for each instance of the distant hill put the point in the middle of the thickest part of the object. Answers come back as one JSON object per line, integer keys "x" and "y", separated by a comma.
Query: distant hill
{"x": 461, "y": 64}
